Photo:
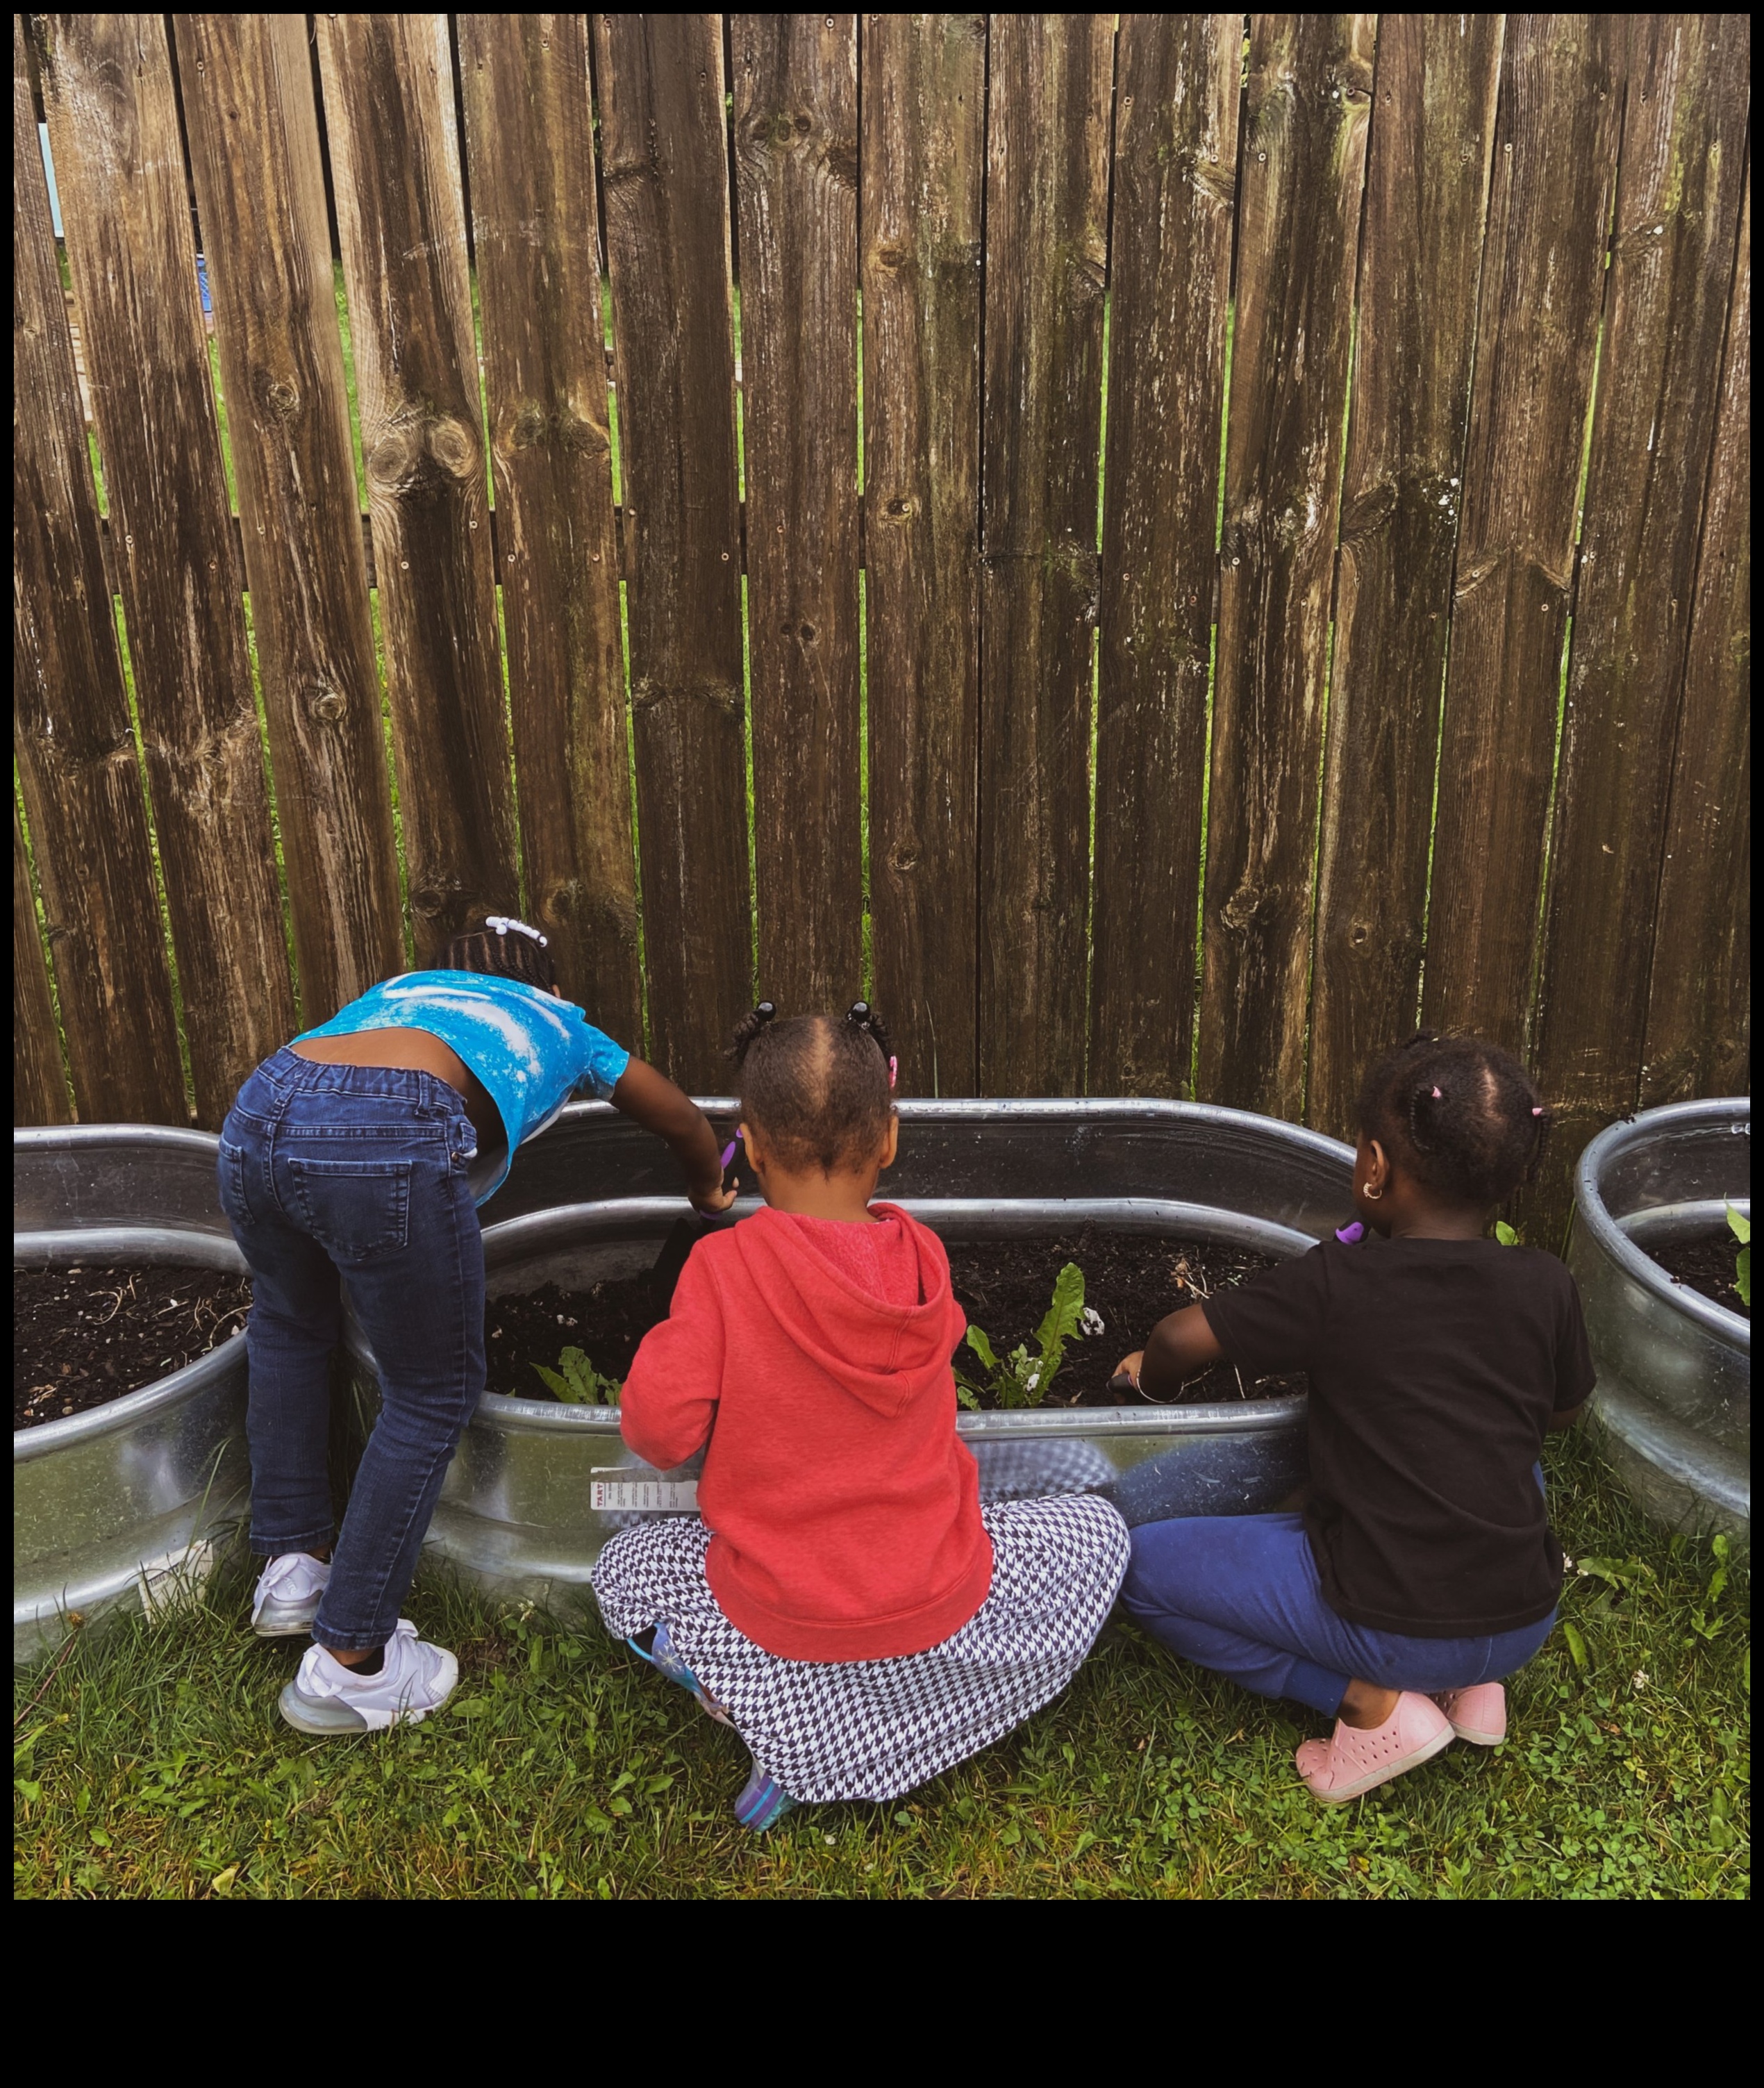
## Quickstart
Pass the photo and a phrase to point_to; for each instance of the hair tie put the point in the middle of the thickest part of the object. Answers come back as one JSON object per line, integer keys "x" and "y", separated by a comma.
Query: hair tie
{"x": 502, "y": 922}
{"x": 765, "y": 1009}
{"x": 1438, "y": 1097}
{"x": 893, "y": 1071}
{"x": 1539, "y": 1110}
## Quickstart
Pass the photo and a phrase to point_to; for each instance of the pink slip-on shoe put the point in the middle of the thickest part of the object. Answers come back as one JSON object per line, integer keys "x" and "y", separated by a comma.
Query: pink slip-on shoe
{"x": 1351, "y": 1761}
{"x": 1478, "y": 1715}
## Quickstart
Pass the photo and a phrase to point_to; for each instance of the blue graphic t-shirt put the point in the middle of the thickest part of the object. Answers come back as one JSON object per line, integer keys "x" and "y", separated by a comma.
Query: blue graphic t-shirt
{"x": 531, "y": 1051}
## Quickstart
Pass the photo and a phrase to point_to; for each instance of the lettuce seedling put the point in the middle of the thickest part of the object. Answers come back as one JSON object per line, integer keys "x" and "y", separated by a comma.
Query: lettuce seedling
{"x": 1740, "y": 1226}
{"x": 577, "y": 1383}
{"x": 1021, "y": 1380}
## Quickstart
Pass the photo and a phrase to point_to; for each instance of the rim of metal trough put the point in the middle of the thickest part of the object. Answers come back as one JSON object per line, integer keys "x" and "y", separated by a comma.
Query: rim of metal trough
{"x": 507, "y": 1238}
{"x": 197, "y": 1242}
{"x": 1591, "y": 1209}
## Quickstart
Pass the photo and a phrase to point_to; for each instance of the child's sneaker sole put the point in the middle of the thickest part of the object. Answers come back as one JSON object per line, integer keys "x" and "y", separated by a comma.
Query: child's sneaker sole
{"x": 328, "y": 1716}
{"x": 288, "y": 1621}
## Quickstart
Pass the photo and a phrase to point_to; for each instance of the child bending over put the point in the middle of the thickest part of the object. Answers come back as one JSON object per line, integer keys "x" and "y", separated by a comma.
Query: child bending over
{"x": 359, "y": 1154}
{"x": 1422, "y": 1568}
{"x": 845, "y": 1603}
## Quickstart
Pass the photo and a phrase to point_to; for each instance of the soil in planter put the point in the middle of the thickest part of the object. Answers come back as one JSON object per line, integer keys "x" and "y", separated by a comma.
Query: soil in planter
{"x": 1705, "y": 1264}
{"x": 1132, "y": 1279}
{"x": 84, "y": 1336}
{"x": 1004, "y": 1286}
{"x": 606, "y": 1321}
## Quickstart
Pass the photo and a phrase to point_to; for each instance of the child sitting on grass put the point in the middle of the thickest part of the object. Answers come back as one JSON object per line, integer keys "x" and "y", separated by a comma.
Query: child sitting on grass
{"x": 845, "y": 1603}
{"x": 1422, "y": 1568}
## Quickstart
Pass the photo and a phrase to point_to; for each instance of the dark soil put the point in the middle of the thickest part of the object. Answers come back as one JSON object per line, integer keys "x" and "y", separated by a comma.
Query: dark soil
{"x": 1132, "y": 1279}
{"x": 84, "y": 1336}
{"x": 606, "y": 1322}
{"x": 1707, "y": 1265}
{"x": 1003, "y": 1286}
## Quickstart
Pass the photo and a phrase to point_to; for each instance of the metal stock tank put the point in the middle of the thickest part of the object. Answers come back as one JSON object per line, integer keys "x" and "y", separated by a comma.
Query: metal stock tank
{"x": 1673, "y": 1406}
{"x": 537, "y": 1488}
{"x": 129, "y": 1500}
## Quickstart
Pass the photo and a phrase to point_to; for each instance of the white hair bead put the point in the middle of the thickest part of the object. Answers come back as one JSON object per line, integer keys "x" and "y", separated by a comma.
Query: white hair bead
{"x": 502, "y": 922}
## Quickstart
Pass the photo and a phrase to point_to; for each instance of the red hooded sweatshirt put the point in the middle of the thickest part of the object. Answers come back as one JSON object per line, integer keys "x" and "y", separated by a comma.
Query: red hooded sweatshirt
{"x": 845, "y": 1508}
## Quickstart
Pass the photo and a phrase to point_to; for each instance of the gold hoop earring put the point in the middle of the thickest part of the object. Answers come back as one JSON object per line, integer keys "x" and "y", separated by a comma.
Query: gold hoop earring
{"x": 1372, "y": 1195}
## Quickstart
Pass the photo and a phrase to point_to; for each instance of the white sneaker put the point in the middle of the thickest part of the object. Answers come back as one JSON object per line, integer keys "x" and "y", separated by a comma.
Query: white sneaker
{"x": 415, "y": 1679}
{"x": 287, "y": 1596}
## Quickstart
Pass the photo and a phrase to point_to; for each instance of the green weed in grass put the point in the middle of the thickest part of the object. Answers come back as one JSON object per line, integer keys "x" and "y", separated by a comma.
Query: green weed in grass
{"x": 153, "y": 1766}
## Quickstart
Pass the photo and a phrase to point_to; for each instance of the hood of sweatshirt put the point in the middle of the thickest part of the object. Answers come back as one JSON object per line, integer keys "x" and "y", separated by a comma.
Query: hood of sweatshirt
{"x": 887, "y": 1356}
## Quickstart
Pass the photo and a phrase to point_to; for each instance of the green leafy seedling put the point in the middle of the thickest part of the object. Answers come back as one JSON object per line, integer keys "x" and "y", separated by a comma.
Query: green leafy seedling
{"x": 1021, "y": 1380}
{"x": 1740, "y": 1226}
{"x": 577, "y": 1383}
{"x": 1505, "y": 1234}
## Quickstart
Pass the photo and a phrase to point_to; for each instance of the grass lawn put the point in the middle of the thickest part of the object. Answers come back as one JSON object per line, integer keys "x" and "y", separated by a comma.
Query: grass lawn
{"x": 152, "y": 1764}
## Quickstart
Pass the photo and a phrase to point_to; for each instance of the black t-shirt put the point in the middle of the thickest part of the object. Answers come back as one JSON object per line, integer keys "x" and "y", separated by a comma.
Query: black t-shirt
{"x": 1435, "y": 1366}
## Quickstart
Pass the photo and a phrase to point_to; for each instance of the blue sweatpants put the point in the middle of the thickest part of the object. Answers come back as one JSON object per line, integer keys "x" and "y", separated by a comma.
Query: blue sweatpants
{"x": 1240, "y": 1594}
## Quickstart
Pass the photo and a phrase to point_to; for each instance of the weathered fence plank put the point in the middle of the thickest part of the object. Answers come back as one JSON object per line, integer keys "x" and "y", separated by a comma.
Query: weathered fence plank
{"x": 1420, "y": 252}
{"x": 1048, "y": 90}
{"x": 795, "y": 169}
{"x": 119, "y": 165}
{"x": 1543, "y": 280}
{"x": 665, "y": 167}
{"x": 1680, "y": 182}
{"x": 1303, "y": 159}
{"x": 529, "y": 135}
{"x": 1175, "y": 177}
{"x": 39, "y": 1083}
{"x": 254, "y": 135}
{"x": 1699, "y": 1012}
{"x": 71, "y": 734}
{"x": 924, "y": 123}
{"x": 389, "y": 112}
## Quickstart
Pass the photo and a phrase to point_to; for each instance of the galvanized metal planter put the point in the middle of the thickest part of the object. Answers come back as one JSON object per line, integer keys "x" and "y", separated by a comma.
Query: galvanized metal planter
{"x": 131, "y": 1500}
{"x": 537, "y": 1488}
{"x": 1674, "y": 1403}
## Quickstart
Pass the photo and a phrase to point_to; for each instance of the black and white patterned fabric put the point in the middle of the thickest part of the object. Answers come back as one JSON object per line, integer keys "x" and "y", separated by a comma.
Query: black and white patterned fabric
{"x": 1011, "y": 1469}
{"x": 872, "y": 1729}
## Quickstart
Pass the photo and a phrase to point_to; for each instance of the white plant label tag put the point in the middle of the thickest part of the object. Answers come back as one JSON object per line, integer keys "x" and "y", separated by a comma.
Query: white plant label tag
{"x": 654, "y": 1496}
{"x": 171, "y": 1585}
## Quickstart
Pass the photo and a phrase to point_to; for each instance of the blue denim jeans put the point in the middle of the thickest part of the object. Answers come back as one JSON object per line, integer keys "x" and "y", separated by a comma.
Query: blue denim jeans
{"x": 355, "y": 1174}
{"x": 1240, "y": 1594}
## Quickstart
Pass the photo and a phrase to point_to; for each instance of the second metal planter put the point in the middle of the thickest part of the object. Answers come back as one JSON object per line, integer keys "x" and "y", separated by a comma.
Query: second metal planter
{"x": 537, "y": 1488}
{"x": 1674, "y": 1402}
{"x": 128, "y": 1499}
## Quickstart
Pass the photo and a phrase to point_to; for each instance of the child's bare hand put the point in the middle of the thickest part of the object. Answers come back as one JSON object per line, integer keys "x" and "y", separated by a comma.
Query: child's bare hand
{"x": 1128, "y": 1366}
{"x": 713, "y": 1201}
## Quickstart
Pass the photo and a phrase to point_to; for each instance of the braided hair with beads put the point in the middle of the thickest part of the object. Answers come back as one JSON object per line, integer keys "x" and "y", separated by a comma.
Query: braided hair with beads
{"x": 503, "y": 947}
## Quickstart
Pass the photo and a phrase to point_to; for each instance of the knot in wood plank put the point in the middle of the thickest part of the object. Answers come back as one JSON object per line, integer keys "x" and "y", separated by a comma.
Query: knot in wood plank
{"x": 277, "y": 397}
{"x": 1246, "y": 906}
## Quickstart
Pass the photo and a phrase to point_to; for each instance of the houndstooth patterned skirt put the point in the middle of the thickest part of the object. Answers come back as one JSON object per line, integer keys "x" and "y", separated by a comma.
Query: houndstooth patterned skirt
{"x": 875, "y": 1728}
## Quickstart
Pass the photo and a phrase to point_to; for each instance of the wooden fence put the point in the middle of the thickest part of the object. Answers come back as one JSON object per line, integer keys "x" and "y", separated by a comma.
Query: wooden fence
{"x": 1163, "y": 547}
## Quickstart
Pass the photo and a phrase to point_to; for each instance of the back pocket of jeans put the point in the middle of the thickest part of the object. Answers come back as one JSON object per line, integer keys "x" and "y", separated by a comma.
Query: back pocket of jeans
{"x": 358, "y": 1210}
{"x": 230, "y": 1176}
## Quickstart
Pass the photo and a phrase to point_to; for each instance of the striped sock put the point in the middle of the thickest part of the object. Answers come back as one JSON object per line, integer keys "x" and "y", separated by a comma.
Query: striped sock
{"x": 763, "y": 1799}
